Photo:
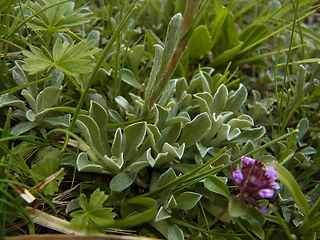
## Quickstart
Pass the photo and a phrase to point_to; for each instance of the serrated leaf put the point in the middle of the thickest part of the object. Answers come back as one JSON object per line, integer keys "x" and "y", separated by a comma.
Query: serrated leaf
{"x": 97, "y": 199}
{"x": 188, "y": 200}
{"x": 70, "y": 58}
{"x": 48, "y": 167}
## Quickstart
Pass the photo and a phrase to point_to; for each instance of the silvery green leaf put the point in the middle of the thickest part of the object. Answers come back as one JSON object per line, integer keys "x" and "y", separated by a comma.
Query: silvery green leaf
{"x": 47, "y": 98}
{"x": 30, "y": 99}
{"x": 59, "y": 121}
{"x": 188, "y": 200}
{"x": 91, "y": 133}
{"x": 150, "y": 159}
{"x": 137, "y": 166}
{"x": 222, "y": 135}
{"x": 123, "y": 103}
{"x": 249, "y": 134}
{"x": 115, "y": 116}
{"x": 137, "y": 101}
{"x": 84, "y": 165}
{"x": 217, "y": 185}
{"x": 127, "y": 76}
{"x": 122, "y": 181}
{"x": 182, "y": 117}
{"x": 241, "y": 122}
{"x": 167, "y": 93}
{"x": 100, "y": 116}
{"x": 134, "y": 56}
{"x": 174, "y": 232}
{"x": 162, "y": 160}
{"x": 195, "y": 130}
{"x": 31, "y": 116}
{"x": 117, "y": 145}
{"x": 170, "y": 134}
{"x": 12, "y": 101}
{"x": 248, "y": 147}
{"x": 167, "y": 177}
{"x": 56, "y": 80}
{"x": 97, "y": 97}
{"x": 161, "y": 116}
{"x": 162, "y": 214}
{"x": 22, "y": 127}
{"x": 215, "y": 126}
{"x": 236, "y": 99}
{"x": 18, "y": 74}
{"x": 114, "y": 163}
{"x": 171, "y": 41}
{"x": 308, "y": 151}
{"x": 303, "y": 127}
{"x": 94, "y": 35}
{"x": 181, "y": 88}
{"x": 233, "y": 134}
{"x": 174, "y": 151}
{"x": 202, "y": 149}
{"x": 171, "y": 203}
{"x": 155, "y": 70}
{"x": 219, "y": 99}
{"x": 153, "y": 136}
{"x": 134, "y": 135}
{"x": 203, "y": 104}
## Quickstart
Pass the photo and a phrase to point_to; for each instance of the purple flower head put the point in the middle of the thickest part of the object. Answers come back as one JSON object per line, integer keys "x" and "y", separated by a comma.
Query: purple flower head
{"x": 256, "y": 181}
{"x": 271, "y": 172}
{"x": 237, "y": 176}
{"x": 247, "y": 160}
{"x": 266, "y": 193}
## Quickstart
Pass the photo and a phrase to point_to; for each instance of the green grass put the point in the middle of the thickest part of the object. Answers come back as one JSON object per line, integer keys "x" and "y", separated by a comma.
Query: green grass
{"x": 134, "y": 114}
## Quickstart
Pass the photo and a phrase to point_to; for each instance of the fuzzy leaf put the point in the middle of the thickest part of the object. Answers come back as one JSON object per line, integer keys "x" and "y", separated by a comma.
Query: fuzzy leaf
{"x": 127, "y": 76}
{"x": 84, "y": 165}
{"x": 188, "y": 200}
{"x": 47, "y": 98}
{"x": 134, "y": 135}
{"x": 122, "y": 181}
{"x": 195, "y": 130}
{"x": 237, "y": 99}
{"x": 216, "y": 185}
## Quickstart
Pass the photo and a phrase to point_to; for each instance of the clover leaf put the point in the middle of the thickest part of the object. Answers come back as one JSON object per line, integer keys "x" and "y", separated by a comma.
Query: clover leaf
{"x": 70, "y": 58}
{"x": 48, "y": 167}
{"x": 93, "y": 216}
